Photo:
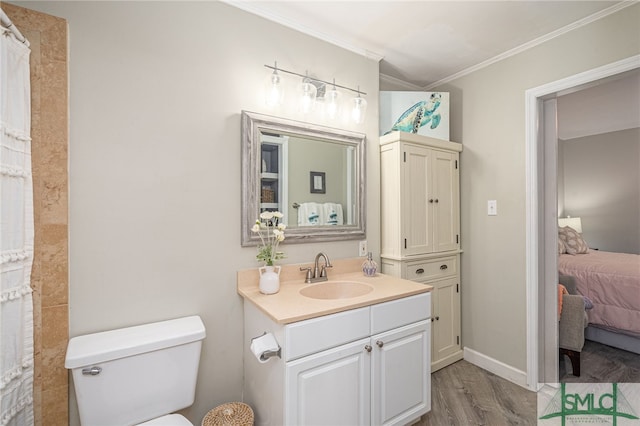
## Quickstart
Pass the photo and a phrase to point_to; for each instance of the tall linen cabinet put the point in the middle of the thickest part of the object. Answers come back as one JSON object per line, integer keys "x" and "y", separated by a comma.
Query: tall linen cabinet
{"x": 420, "y": 213}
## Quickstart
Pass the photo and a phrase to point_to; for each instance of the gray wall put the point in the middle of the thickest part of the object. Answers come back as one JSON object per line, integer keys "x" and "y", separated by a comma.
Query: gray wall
{"x": 156, "y": 90}
{"x": 602, "y": 186}
{"x": 488, "y": 117}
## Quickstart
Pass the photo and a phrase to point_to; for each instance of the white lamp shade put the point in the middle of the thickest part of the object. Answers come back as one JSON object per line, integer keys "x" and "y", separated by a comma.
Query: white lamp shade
{"x": 571, "y": 222}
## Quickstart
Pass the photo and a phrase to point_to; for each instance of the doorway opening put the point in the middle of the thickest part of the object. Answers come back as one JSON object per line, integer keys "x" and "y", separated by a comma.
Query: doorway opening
{"x": 541, "y": 216}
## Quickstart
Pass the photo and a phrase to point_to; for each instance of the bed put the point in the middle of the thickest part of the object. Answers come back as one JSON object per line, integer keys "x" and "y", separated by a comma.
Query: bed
{"x": 612, "y": 282}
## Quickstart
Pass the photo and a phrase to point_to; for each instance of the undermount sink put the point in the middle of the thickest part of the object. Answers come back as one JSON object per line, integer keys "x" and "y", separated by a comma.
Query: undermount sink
{"x": 336, "y": 290}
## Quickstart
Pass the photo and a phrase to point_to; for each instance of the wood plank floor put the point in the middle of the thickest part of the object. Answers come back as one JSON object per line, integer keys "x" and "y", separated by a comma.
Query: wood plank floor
{"x": 602, "y": 364}
{"x": 463, "y": 394}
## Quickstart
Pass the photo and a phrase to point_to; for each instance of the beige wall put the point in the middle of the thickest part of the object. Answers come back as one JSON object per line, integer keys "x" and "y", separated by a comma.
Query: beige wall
{"x": 156, "y": 90}
{"x": 488, "y": 117}
{"x": 47, "y": 36}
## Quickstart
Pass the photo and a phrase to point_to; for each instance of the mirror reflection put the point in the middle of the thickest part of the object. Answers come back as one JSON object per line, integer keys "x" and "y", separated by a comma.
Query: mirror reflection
{"x": 312, "y": 174}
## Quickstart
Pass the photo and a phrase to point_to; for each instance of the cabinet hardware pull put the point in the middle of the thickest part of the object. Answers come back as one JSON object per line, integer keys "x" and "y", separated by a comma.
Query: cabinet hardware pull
{"x": 419, "y": 271}
{"x": 443, "y": 267}
{"x": 432, "y": 319}
{"x": 438, "y": 318}
{"x": 367, "y": 348}
{"x": 431, "y": 200}
{"x": 436, "y": 200}
{"x": 380, "y": 343}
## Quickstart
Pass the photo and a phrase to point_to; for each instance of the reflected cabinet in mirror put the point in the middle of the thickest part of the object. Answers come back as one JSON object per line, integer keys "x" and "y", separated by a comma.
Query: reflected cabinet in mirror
{"x": 313, "y": 175}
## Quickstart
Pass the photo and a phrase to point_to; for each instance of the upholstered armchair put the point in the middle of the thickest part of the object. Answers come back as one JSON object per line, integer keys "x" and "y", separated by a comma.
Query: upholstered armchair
{"x": 573, "y": 321}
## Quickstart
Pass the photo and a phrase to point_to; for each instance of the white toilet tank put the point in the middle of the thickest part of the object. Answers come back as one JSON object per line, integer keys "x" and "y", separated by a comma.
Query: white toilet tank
{"x": 131, "y": 375}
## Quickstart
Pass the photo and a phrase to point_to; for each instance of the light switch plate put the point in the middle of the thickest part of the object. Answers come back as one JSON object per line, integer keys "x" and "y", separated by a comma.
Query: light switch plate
{"x": 492, "y": 208}
{"x": 362, "y": 248}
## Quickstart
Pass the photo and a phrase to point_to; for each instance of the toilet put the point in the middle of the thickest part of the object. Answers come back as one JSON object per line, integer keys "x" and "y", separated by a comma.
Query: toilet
{"x": 137, "y": 375}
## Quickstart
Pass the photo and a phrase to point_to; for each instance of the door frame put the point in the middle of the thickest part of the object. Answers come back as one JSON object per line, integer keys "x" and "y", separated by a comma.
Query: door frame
{"x": 538, "y": 229}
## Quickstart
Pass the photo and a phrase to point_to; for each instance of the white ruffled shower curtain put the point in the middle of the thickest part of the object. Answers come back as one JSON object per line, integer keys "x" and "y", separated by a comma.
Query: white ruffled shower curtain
{"x": 16, "y": 234}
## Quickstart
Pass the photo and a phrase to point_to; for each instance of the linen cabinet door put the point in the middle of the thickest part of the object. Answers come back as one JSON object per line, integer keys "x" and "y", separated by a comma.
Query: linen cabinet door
{"x": 330, "y": 387}
{"x": 446, "y": 201}
{"x": 401, "y": 377}
{"x": 446, "y": 323}
{"x": 417, "y": 204}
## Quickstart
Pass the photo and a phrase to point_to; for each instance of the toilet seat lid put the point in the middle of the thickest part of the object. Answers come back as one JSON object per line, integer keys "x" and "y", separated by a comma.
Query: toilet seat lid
{"x": 168, "y": 420}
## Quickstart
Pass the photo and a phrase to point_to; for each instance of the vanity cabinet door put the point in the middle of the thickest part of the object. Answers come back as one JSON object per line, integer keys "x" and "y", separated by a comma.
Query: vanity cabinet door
{"x": 330, "y": 387}
{"x": 401, "y": 374}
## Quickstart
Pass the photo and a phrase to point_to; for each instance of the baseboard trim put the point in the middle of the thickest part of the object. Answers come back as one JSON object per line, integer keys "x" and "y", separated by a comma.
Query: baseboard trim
{"x": 496, "y": 367}
{"x": 456, "y": 356}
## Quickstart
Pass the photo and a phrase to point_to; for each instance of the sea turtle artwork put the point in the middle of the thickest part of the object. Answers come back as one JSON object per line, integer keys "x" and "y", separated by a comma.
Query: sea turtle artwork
{"x": 420, "y": 114}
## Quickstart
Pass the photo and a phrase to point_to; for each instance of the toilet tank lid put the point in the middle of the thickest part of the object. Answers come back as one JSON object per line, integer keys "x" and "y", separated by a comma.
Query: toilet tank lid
{"x": 90, "y": 349}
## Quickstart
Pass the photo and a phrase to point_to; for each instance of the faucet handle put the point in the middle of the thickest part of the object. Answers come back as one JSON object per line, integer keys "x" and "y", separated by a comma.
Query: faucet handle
{"x": 308, "y": 274}
{"x": 323, "y": 271}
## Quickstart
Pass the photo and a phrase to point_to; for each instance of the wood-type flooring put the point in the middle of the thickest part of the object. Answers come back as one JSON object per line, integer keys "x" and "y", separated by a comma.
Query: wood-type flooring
{"x": 464, "y": 395}
{"x": 602, "y": 364}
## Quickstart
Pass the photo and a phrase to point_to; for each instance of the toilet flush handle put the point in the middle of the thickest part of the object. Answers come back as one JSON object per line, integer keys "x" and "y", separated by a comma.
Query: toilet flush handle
{"x": 91, "y": 371}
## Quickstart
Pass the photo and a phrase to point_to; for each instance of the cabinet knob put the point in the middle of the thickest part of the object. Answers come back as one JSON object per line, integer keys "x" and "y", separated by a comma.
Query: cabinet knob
{"x": 432, "y": 319}
{"x": 380, "y": 343}
{"x": 436, "y": 200}
{"x": 367, "y": 348}
{"x": 437, "y": 318}
{"x": 431, "y": 200}
{"x": 443, "y": 267}
{"x": 419, "y": 271}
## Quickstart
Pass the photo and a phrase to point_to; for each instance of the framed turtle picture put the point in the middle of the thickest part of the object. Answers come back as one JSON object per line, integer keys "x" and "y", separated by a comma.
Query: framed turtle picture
{"x": 424, "y": 113}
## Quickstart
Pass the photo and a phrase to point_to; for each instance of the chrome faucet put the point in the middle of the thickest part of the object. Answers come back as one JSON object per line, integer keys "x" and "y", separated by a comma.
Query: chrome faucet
{"x": 318, "y": 274}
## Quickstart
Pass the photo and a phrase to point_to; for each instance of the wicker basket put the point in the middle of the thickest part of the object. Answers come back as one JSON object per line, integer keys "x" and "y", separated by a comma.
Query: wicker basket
{"x": 229, "y": 414}
{"x": 268, "y": 195}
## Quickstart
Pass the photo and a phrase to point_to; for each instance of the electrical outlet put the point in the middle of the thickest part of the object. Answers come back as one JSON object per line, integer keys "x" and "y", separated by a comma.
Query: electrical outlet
{"x": 492, "y": 208}
{"x": 362, "y": 248}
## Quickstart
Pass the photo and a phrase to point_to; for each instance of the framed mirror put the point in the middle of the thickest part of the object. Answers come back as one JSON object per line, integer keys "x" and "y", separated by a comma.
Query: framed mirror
{"x": 313, "y": 175}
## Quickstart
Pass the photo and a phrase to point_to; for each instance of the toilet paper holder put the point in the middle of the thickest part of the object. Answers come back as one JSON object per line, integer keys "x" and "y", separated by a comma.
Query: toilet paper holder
{"x": 268, "y": 353}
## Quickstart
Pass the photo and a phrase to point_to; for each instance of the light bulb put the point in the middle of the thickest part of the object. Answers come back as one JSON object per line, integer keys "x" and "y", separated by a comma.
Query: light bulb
{"x": 359, "y": 110}
{"x": 307, "y": 96}
{"x": 274, "y": 93}
{"x": 332, "y": 100}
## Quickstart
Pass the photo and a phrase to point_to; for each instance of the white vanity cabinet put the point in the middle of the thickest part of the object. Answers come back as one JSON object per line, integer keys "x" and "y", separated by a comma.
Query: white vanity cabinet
{"x": 366, "y": 366}
{"x": 420, "y": 199}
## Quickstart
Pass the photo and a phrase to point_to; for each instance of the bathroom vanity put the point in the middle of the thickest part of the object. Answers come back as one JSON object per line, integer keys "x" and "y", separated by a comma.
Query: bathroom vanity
{"x": 354, "y": 352}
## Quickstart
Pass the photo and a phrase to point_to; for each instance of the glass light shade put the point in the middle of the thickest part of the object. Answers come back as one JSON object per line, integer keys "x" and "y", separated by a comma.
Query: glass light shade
{"x": 274, "y": 93}
{"x": 307, "y": 96}
{"x": 332, "y": 103}
{"x": 571, "y": 222}
{"x": 359, "y": 110}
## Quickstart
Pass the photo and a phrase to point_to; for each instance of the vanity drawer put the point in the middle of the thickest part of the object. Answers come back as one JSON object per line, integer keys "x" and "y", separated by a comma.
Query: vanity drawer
{"x": 429, "y": 269}
{"x": 317, "y": 334}
{"x": 397, "y": 313}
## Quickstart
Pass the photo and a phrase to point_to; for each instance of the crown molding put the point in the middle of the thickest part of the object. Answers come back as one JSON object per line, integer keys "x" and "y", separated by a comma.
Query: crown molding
{"x": 255, "y": 9}
{"x": 533, "y": 43}
{"x": 398, "y": 82}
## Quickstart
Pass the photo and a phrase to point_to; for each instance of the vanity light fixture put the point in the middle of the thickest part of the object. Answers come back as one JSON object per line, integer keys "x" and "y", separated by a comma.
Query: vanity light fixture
{"x": 308, "y": 92}
{"x": 314, "y": 91}
{"x": 332, "y": 101}
{"x": 359, "y": 110}
{"x": 274, "y": 93}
